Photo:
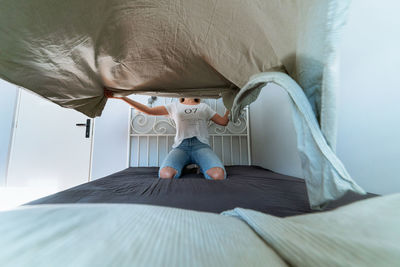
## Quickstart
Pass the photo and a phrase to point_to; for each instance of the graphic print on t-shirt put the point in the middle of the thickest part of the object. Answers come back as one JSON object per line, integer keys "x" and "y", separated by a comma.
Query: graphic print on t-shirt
{"x": 191, "y": 117}
{"x": 190, "y": 110}
{"x": 190, "y": 121}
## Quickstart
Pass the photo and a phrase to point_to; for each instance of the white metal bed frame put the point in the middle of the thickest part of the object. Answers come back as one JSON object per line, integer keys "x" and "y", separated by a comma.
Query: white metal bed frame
{"x": 145, "y": 128}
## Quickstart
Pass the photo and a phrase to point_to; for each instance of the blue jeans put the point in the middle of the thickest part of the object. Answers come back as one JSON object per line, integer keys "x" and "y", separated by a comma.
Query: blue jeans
{"x": 191, "y": 150}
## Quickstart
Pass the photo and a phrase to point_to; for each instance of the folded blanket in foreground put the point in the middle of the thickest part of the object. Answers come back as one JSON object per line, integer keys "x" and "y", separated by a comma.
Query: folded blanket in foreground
{"x": 126, "y": 235}
{"x": 364, "y": 233}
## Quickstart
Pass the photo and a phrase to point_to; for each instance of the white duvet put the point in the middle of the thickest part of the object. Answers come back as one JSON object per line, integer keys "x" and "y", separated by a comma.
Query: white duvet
{"x": 67, "y": 51}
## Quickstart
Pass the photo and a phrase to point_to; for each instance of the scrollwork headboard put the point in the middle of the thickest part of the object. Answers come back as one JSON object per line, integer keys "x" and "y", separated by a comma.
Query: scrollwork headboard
{"x": 151, "y": 137}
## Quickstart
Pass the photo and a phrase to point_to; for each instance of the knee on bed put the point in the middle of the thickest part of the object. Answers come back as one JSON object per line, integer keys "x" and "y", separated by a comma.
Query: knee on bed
{"x": 216, "y": 173}
{"x": 168, "y": 173}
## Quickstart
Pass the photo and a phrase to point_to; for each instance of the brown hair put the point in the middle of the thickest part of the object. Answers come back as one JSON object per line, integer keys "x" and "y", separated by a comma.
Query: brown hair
{"x": 197, "y": 100}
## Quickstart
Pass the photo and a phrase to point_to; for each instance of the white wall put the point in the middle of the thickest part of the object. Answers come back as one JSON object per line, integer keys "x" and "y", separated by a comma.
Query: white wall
{"x": 273, "y": 139}
{"x": 369, "y": 104}
{"x": 369, "y": 113}
{"x": 8, "y": 100}
{"x": 110, "y": 142}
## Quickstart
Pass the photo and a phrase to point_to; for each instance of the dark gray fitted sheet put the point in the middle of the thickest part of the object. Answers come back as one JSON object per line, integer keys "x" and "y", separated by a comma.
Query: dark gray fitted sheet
{"x": 250, "y": 187}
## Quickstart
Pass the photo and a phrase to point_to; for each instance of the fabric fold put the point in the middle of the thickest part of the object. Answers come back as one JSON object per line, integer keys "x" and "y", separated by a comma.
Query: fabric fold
{"x": 326, "y": 177}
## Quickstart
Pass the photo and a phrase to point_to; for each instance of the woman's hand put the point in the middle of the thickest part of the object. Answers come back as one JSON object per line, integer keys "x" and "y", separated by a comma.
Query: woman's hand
{"x": 109, "y": 94}
{"x": 223, "y": 121}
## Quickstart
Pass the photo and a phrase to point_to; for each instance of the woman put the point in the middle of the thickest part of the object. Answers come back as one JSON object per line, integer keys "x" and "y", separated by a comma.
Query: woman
{"x": 191, "y": 144}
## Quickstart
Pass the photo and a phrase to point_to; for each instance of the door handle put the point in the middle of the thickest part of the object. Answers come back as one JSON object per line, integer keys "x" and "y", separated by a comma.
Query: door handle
{"x": 87, "y": 125}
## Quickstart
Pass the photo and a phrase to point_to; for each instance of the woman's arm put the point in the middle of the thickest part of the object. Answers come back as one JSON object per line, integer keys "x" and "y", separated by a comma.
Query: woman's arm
{"x": 156, "y": 111}
{"x": 221, "y": 120}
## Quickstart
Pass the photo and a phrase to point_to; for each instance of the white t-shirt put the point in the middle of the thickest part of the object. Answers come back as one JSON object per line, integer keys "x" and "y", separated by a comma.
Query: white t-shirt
{"x": 190, "y": 121}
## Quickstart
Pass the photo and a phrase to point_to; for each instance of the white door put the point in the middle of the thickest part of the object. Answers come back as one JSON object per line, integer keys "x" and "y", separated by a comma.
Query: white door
{"x": 49, "y": 151}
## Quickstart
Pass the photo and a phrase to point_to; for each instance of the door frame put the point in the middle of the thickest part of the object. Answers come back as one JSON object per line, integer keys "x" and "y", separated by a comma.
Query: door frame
{"x": 8, "y": 159}
{"x": 13, "y": 133}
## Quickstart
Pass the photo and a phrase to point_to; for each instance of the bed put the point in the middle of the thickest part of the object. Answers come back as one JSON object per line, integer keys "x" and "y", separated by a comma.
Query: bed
{"x": 133, "y": 218}
{"x": 250, "y": 187}
{"x": 247, "y": 186}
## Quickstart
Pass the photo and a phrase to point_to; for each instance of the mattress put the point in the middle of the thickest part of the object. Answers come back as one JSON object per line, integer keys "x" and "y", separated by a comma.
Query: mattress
{"x": 249, "y": 187}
